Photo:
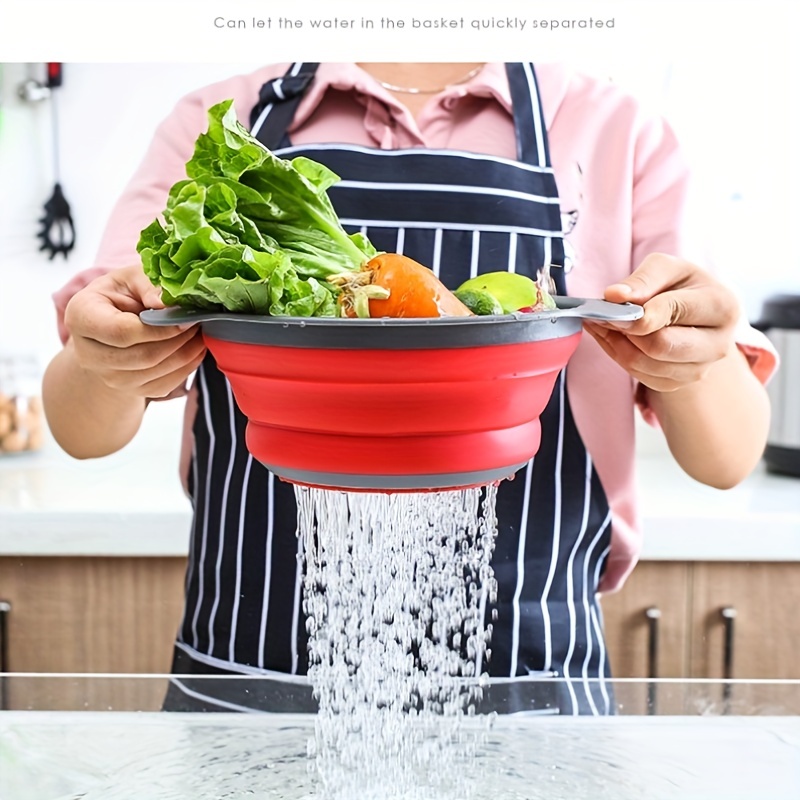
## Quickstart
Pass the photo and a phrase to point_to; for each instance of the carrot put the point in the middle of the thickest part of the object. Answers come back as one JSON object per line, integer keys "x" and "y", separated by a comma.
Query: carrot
{"x": 394, "y": 285}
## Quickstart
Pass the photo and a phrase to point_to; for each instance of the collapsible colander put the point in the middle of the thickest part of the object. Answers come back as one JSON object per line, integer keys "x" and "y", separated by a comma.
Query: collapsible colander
{"x": 394, "y": 404}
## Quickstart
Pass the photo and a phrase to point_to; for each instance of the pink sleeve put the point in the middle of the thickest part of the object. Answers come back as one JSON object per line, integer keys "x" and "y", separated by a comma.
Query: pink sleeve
{"x": 660, "y": 194}
{"x": 661, "y": 225}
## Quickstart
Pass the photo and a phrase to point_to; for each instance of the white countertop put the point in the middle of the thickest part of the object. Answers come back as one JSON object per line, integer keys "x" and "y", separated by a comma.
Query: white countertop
{"x": 132, "y": 504}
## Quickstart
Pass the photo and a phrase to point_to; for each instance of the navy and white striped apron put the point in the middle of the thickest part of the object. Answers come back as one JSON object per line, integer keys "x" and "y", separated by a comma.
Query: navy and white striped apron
{"x": 462, "y": 214}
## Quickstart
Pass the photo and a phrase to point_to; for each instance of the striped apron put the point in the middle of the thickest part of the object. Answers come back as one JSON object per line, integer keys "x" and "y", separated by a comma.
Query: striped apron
{"x": 462, "y": 214}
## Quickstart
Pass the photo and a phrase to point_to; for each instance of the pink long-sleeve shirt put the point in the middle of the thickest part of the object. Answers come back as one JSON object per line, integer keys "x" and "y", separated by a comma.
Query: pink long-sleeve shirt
{"x": 619, "y": 167}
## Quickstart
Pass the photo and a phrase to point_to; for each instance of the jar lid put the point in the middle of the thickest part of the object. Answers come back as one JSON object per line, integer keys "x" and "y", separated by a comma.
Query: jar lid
{"x": 780, "y": 311}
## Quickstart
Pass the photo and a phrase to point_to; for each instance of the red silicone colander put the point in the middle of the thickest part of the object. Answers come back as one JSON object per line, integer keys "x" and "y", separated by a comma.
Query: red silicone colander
{"x": 394, "y": 404}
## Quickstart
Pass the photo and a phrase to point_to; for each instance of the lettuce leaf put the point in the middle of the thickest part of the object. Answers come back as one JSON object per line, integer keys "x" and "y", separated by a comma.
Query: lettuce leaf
{"x": 248, "y": 231}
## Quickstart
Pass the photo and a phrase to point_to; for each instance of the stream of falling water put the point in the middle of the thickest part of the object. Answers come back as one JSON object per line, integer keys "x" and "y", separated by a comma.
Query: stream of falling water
{"x": 395, "y": 597}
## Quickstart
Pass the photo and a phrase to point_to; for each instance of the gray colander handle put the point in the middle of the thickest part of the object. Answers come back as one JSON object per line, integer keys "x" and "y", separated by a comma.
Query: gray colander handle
{"x": 601, "y": 310}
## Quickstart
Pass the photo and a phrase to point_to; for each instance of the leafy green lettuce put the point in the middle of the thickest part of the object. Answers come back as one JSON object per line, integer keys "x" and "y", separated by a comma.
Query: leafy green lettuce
{"x": 248, "y": 231}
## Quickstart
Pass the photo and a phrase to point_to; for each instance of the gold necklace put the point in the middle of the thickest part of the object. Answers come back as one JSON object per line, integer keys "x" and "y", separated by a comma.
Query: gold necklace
{"x": 416, "y": 90}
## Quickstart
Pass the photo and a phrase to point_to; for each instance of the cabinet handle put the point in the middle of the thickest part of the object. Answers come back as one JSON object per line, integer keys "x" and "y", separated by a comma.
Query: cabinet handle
{"x": 728, "y": 614}
{"x": 653, "y": 615}
{"x": 5, "y": 610}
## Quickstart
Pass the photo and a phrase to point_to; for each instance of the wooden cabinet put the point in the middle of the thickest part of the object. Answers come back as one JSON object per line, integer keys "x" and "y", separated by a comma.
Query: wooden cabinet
{"x": 660, "y": 587}
{"x": 120, "y": 615}
{"x": 96, "y": 615}
{"x": 715, "y": 620}
{"x": 763, "y": 601}
{"x": 754, "y": 604}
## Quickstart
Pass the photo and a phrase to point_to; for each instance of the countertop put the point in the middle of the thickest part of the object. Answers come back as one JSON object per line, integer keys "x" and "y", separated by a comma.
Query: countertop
{"x": 137, "y": 754}
{"x": 132, "y": 504}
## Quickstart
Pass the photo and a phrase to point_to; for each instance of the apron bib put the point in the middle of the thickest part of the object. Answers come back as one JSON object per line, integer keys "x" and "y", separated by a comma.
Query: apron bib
{"x": 462, "y": 214}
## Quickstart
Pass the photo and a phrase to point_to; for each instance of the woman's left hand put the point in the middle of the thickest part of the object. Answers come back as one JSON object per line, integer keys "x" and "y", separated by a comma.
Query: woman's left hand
{"x": 688, "y": 323}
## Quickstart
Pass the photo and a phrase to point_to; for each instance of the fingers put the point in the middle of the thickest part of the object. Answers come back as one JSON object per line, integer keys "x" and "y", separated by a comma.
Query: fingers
{"x": 673, "y": 293}
{"x": 656, "y": 274}
{"x": 100, "y": 318}
{"x": 161, "y": 387}
{"x": 156, "y": 372}
{"x": 109, "y": 339}
{"x": 706, "y": 306}
{"x": 97, "y": 355}
{"x": 665, "y": 363}
{"x": 132, "y": 282}
{"x": 107, "y": 310}
{"x": 687, "y": 325}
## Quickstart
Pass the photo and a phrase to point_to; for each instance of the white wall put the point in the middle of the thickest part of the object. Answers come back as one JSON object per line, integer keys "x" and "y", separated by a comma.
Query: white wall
{"x": 106, "y": 115}
{"x": 737, "y": 119}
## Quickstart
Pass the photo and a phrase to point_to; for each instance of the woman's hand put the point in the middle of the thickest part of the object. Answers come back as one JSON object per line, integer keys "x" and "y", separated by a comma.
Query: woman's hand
{"x": 687, "y": 326}
{"x": 110, "y": 341}
{"x": 714, "y": 412}
{"x": 95, "y": 390}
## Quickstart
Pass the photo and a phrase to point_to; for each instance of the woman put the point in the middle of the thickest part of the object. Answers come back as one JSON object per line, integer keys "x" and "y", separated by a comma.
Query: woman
{"x": 467, "y": 168}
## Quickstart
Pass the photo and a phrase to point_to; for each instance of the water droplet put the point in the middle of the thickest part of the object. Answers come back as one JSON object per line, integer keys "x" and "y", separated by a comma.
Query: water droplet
{"x": 396, "y": 585}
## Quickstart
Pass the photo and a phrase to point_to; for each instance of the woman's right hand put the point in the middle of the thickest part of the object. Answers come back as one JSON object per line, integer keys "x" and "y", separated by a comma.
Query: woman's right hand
{"x": 110, "y": 341}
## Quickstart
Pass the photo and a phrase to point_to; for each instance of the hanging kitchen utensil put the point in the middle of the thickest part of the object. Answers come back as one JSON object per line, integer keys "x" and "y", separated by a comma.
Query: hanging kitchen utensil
{"x": 58, "y": 231}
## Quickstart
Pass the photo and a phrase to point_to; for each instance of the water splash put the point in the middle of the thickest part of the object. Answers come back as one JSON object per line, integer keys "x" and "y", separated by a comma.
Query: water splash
{"x": 395, "y": 595}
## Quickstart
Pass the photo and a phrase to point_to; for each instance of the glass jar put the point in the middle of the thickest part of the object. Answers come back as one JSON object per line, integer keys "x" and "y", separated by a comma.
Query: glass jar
{"x": 21, "y": 415}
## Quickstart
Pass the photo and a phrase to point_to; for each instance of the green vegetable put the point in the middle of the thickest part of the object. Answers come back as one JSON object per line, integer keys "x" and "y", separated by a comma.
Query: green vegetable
{"x": 248, "y": 231}
{"x": 479, "y": 301}
{"x": 513, "y": 291}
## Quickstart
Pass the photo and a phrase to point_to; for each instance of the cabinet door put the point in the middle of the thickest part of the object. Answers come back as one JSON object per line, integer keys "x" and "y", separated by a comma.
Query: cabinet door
{"x": 746, "y": 626}
{"x": 646, "y": 625}
{"x": 756, "y": 605}
{"x": 76, "y": 615}
{"x": 654, "y": 602}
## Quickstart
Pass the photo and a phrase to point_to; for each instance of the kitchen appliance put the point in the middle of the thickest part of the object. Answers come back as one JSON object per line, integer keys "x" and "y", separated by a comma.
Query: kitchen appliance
{"x": 395, "y": 404}
{"x": 780, "y": 321}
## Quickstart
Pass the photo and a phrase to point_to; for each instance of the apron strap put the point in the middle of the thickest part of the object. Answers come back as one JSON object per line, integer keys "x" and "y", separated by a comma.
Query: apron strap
{"x": 277, "y": 102}
{"x": 528, "y": 117}
{"x": 532, "y": 146}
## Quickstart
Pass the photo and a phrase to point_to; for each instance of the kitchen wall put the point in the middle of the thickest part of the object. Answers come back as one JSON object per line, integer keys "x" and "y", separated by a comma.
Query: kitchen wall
{"x": 733, "y": 116}
{"x": 106, "y": 114}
